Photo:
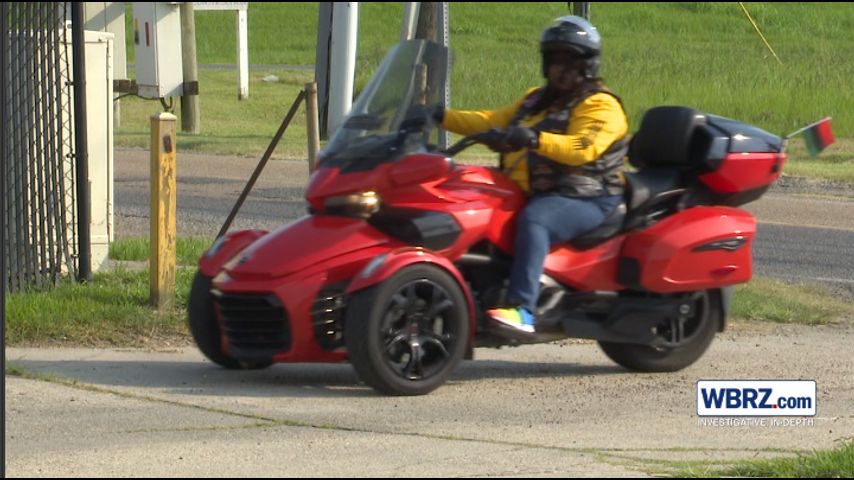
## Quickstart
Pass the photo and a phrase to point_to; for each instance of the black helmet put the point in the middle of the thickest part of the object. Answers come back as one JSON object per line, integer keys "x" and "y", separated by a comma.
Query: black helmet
{"x": 576, "y": 35}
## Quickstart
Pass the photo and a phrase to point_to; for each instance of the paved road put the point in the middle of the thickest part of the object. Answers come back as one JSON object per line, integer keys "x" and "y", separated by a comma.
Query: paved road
{"x": 800, "y": 237}
{"x": 553, "y": 410}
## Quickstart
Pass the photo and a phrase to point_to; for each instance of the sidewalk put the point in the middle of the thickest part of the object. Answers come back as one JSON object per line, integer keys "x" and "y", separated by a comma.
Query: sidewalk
{"x": 551, "y": 410}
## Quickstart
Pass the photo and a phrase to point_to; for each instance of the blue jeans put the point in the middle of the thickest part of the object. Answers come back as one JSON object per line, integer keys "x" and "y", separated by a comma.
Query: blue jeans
{"x": 545, "y": 221}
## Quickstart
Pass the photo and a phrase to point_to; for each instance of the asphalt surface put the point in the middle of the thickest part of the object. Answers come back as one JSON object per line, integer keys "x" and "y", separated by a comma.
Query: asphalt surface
{"x": 801, "y": 236}
{"x": 552, "y": 410}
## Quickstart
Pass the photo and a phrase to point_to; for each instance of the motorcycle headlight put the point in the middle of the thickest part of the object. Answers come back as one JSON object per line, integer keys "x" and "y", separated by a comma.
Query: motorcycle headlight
{"x": 362, "y": 204}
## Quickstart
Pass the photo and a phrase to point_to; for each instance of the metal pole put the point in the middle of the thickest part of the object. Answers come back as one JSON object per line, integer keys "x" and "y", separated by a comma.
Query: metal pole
{"x": 4, "y": 45}
{"x": 190, "y": 112}
{"x": 345, "y": 21}
{"x": 410, "y": 19}
{"x": 443, "y": 33}
{"x": 262, "y": 164}
{"x": 81, "y": 154}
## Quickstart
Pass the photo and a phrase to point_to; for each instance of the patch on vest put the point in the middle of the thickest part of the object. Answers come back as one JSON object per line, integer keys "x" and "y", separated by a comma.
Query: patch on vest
{"x": 583, "y": 143}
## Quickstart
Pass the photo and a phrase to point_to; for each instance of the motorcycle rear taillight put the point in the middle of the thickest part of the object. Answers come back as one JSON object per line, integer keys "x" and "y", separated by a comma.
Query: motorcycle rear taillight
{"x": 744, "y": 172}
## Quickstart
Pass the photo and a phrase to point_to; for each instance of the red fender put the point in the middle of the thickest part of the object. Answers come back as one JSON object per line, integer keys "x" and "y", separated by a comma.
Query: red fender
{"x": 386, "y": 265}
{"x": 225, "y": 248}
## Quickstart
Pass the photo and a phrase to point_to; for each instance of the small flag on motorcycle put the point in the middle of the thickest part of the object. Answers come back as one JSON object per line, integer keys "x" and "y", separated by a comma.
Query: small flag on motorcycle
{"x": 817, "y": 136}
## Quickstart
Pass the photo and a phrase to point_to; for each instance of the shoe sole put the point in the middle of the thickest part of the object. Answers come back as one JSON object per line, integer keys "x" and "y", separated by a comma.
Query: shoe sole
{"x": 515, "y": 326}
{"x": 511, "y": 331}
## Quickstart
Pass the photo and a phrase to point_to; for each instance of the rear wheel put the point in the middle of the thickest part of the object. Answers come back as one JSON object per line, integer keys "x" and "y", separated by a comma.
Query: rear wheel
{"x": 406, "y": 335}
{"x": 205, "y": 328}
{"x": 688, "y": 337}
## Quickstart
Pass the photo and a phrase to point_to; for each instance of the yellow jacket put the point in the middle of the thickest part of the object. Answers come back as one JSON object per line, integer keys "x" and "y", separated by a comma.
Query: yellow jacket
{"x": 594, "y": 125}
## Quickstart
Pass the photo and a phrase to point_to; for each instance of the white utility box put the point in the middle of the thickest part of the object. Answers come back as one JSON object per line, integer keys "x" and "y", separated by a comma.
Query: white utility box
{"x": 157, "y": 43}
{"x": 99, "y": 142}
{"x": 99, "y": 129}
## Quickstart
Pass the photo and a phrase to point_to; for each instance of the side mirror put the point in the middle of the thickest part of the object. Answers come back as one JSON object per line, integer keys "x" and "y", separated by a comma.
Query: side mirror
{"x": 420, "y": 168}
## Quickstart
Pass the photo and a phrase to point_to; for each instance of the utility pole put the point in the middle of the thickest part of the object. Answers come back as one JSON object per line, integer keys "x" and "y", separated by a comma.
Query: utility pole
{"x": 190, "y": 111}
{"x": 582, "y": 9}
{"x": 426, "y": 27}
{"x": 433, "y": 25}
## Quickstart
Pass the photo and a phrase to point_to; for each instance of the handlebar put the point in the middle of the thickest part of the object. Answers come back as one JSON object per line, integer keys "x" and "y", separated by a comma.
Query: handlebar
{"x": 466, "y": 142}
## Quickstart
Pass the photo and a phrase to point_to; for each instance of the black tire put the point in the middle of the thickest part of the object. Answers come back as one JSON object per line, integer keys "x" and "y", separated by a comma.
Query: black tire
{"x": 205, "y": 328}
{"x": 406, "y": 335}
{"x": 700, "y": 330}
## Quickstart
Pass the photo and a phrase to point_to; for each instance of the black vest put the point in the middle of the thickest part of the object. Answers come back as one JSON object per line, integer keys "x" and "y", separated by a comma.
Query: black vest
{"x": 599, "y": 177}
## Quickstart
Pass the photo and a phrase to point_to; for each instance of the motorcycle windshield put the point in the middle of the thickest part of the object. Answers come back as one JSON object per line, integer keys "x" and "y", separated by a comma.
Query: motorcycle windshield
{"x": 385, "y": 123}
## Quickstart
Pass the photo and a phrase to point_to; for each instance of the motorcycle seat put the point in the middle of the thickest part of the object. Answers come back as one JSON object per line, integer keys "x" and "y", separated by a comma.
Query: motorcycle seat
{"x": 644, "y": 186}
{"x": 650, "y": 193}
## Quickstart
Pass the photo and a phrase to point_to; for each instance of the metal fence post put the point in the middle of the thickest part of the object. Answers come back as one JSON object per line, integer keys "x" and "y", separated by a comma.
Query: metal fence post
{"x": 81, "y": 156}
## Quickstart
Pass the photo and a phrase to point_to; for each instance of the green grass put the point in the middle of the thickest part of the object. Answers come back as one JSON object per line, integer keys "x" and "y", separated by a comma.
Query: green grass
{"x": 228, "y": 125}
{"x": 834, "y": 463}
{"x": 137, "y": 249}
{"x": 836, "y": 163}
{"x": 768, "y": 300}
{"x": 111, "y": 310}
{"x": 705, "y": 55}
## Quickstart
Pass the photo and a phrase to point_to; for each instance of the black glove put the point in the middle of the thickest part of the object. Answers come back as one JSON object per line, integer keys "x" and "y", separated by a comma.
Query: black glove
{"x": 494, "y": 139}
{"x": 518, "y": 138}
{"x": 433, "y": 112}
{"x": 510, "y": 139}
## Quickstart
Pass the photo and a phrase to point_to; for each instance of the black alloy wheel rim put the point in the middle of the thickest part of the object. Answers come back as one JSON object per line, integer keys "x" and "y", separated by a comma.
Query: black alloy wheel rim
{"x": 418, "y": 331}
{"x": 679, "y": 331}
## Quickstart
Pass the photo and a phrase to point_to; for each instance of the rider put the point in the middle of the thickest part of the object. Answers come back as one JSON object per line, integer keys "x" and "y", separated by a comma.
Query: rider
{"x": 563, "y": 144}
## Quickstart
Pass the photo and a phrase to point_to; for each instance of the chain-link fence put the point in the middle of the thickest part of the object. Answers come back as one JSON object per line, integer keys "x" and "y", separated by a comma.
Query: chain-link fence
{"x": 38, "y": 163}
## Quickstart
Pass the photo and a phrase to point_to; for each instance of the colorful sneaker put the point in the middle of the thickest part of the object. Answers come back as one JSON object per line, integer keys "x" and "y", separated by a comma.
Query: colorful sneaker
{"x": 518, "y": 318}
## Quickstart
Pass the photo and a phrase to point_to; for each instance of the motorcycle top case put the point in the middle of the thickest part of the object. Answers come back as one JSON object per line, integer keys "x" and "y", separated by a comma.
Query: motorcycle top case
{"x": 696, "y": 249}
{"x": 740, "y": 161}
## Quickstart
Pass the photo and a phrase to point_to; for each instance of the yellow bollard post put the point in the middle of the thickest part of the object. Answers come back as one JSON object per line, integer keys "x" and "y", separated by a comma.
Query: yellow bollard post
{"x": 164, "y": 200}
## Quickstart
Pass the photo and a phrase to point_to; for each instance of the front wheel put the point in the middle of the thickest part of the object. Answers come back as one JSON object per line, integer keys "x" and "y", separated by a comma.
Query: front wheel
{"x": 690, "y": 339}
{"x": 407, "y": 334}
{"x": 205, "y": 328}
